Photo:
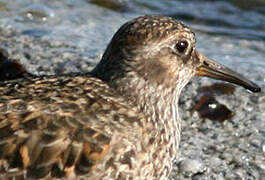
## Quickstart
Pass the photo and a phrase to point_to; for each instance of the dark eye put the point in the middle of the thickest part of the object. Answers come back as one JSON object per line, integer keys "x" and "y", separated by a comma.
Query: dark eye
{"x": 181, "y": 46}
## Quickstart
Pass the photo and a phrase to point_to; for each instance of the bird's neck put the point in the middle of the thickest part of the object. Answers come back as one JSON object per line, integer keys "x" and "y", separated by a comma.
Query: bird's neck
{"x": 160, "y": 105}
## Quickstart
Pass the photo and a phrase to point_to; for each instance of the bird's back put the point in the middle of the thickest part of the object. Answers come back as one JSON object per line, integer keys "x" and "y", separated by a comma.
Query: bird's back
{"x": 63, "y": 127}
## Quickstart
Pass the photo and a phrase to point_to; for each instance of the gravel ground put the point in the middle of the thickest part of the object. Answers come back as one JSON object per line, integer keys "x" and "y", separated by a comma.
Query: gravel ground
{"x": 233, "y": 149}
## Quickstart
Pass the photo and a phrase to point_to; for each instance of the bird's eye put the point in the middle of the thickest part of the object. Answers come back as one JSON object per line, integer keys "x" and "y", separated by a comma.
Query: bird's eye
{"x": 181, "y": 46}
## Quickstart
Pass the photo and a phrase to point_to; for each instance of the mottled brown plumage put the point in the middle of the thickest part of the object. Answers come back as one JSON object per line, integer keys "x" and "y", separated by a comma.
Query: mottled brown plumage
{"x": 118, "y": 122}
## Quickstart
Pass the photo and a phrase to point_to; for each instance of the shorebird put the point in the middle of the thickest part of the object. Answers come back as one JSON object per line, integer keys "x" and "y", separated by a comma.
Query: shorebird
{"x": 120, "y": 121}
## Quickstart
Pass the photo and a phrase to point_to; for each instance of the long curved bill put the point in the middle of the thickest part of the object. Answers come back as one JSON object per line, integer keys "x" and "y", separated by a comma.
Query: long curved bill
{"x": 215, "y": 70}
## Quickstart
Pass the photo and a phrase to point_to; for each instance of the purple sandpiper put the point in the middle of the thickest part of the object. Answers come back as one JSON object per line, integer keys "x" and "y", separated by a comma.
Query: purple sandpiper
{"x": 120, "y": 121}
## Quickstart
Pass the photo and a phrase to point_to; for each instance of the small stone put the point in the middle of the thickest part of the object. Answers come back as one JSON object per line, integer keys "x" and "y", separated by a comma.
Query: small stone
{"x": 191, "y": 167}
{"x": 227, "y": 156}
{"x": 261, "y": 163}
{"x": 240, "y": 173}
{"x": 215, "y": 161}
{"x": 219, "y": 177}
{"x": 67, "y": 55}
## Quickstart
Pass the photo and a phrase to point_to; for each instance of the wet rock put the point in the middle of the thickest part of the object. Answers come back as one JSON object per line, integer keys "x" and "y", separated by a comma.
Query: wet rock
{"x": 207, "y": 105}
{"x": 10, "y": 69}
{"x": 37, "y": 13}
{"x": 209, "y": 108}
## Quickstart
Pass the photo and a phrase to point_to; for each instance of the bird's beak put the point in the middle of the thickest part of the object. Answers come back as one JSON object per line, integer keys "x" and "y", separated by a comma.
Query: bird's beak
{"x": 215, "y": 70}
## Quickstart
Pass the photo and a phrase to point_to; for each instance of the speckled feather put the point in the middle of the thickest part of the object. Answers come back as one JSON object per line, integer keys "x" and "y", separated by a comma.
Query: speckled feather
{"x": 59, "y": 125}
{"x": 119, "y": 122}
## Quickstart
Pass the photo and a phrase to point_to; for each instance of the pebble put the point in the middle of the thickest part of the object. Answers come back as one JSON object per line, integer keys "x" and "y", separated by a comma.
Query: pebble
{"x": 191, "y": 167}
{"x": 261, "y": 163}
{"x": 215, "y": 161}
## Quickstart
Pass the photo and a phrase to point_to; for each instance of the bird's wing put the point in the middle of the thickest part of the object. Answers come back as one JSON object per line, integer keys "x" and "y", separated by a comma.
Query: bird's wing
{"x": 57, "y": 127}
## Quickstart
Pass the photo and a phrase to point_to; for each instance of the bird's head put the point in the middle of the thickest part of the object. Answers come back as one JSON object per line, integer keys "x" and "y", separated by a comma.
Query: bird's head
{"x": 160, "y": 51}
